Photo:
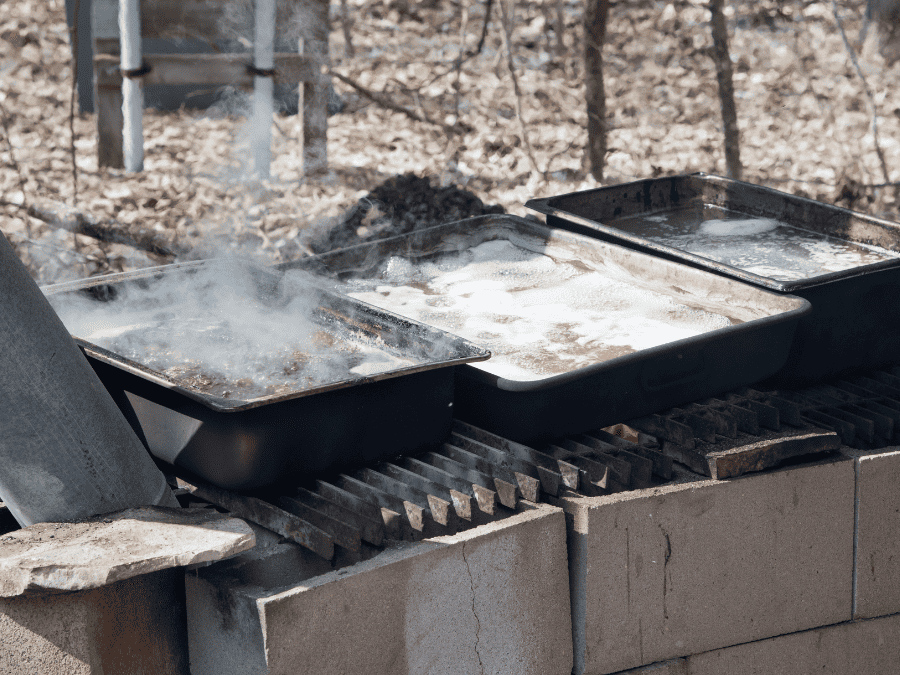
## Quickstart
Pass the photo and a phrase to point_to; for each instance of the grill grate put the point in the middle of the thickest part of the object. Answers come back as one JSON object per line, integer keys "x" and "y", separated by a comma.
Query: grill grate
{"x": 473, "y": 478}
{"x": 725, "y": 437}
{"x": 477, "y": 477}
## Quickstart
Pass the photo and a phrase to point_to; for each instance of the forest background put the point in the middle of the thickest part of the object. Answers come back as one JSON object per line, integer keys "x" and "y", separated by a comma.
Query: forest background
{"x": 805, "y": 110}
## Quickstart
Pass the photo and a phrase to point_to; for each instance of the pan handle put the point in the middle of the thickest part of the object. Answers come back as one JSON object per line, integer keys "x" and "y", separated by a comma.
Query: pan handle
{"x": 674, "y": 370}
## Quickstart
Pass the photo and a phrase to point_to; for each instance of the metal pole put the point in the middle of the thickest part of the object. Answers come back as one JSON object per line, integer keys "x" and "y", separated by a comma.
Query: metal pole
{"x": 263, "y": 86}
{"x": 132, "y": 92}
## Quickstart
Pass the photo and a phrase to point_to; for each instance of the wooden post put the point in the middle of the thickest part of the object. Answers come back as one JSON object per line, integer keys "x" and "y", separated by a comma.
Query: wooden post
{"x": 595, "y": 16}
{"x": 108, "y": 100}
{"x": 314, "y": 94}
{"x": 132, "y": 92}
{"x": 726, "y": 89}
{"x": 263, "y": 87}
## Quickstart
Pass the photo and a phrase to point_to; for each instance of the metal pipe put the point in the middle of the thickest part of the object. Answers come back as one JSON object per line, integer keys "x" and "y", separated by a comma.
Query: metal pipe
{"x": 263, "y": 87}
{"x": 132, "y": 91}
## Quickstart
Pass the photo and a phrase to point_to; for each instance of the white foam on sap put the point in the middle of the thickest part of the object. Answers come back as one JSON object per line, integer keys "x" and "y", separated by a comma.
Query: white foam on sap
{"x": 539, "y": 314}
{"x": 762, "y": 246}
{"x": 721, "y": 227}
{"x": 211, "y": 330}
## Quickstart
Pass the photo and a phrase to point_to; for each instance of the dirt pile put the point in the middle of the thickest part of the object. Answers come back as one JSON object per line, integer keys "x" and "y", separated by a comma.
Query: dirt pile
{"x": 399, "y": 205}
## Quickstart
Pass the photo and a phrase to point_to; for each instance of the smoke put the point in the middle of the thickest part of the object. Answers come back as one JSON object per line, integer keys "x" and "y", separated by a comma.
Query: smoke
{"x": 51, "y": 257}
{"x": 236, "y": 25}
{"x": 233, "y": 330}
{"x": 234, "y": 229}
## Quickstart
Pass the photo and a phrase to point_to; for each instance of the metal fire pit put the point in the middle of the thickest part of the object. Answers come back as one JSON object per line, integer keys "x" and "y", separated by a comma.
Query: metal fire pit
{"x": 246, "y": 443}
{"x": 609, "y": 391}
{"x": 855, "y": 323}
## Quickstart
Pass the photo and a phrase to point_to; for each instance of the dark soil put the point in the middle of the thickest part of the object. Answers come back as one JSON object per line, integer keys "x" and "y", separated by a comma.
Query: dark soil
{"x": 399, "y": 205}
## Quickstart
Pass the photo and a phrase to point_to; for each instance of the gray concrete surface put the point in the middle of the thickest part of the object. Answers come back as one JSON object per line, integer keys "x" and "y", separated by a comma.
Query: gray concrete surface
{"x": 877, "y": 572}
{"x": 493, "y": 599}
{"x": 858, "y": 648}
{"x": 667, "y": 572}
{"x": 867, "y": 647}
{"x": 133, "y": 627}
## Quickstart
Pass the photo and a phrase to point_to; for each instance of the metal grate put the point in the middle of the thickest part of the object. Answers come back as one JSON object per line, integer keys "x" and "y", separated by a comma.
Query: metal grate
{"x": 473, "y": 478}
{"x": 476, "y": 477}
{"x": 753, "y": 430}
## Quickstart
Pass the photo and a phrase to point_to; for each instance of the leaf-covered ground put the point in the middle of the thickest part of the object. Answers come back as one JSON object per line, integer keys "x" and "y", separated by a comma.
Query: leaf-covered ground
{"x": 806, "y": 124}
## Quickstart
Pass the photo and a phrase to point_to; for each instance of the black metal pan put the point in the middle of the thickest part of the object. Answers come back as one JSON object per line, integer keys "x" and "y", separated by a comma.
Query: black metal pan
{"x": 246, "y": 442}
{"x": 605, "y": 391}
{"x": 855, "y": 322}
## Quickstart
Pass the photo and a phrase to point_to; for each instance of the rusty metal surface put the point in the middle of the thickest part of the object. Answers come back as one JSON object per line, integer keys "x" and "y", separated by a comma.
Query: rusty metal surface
{"x": 343, "y": 534}
{"x": 763, "y": 454}
{"x": 370, "y": 530}
{"x": 268, "y": 516}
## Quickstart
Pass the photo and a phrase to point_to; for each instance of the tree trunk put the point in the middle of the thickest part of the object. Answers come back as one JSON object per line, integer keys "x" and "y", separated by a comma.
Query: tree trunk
{"x": 726, "y": 89}
{"x": 595, "y": 15}
{"x": 560, "y": 26}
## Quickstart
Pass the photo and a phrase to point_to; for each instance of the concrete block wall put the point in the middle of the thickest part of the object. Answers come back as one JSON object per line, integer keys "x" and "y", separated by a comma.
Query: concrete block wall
{"x": 790, "y": 571}
{"x": 132, "y": 627}
{"x": 877, "y": 570}
{"x": 492, "y": 599}
{"x": 866, "y": 647}
{"x": 727, "y": 576}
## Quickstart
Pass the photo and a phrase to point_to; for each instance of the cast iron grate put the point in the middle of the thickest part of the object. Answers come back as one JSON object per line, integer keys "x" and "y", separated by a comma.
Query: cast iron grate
{"x": 477, "y": 477}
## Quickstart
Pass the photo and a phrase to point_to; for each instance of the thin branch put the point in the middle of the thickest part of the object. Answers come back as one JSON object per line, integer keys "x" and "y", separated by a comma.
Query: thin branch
{"x": 47, "y": 246}
{"x": 73, "y": 41}
{"x": 560, "y": 28}
{"x": 463, "y": 25}
{"x": 349, "y": 51}
{"x": 725, "y": 81}
{"x": 15, "y": 165}
{"x": 484, "y": 27}
{"x": 385, "y": 102}
{"x": 869, "y": 96}
{"x": 460, "y": 60}
{"x": 555, "y": 155}
{"x": 61, "y": 216}
{"x": 507, "y": 44}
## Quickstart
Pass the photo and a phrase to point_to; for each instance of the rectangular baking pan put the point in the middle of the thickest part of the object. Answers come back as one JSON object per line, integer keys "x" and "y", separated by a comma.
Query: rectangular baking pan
{"x": 248, "y": 443}
{"x": 606, "y": 392}
{"x": 855, "y": 322}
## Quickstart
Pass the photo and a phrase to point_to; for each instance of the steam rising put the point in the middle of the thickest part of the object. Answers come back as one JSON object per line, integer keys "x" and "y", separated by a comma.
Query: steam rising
{"x": 540, "y": 314}
{"x": 216, "y": 330}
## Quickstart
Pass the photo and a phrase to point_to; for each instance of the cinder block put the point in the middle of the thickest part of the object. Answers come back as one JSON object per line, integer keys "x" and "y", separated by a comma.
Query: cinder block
{"x": 877, "y": 568}
{"x": 132, "y": 627}
{"x": 491, "y": 599}
{"x": 667, "y": 572}
{"x": 869, "y": 647}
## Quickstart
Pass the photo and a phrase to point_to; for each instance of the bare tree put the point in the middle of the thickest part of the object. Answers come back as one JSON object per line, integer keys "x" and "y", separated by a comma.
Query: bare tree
{"x": 726, "y": 89}
{"x": 595, "y": 15}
